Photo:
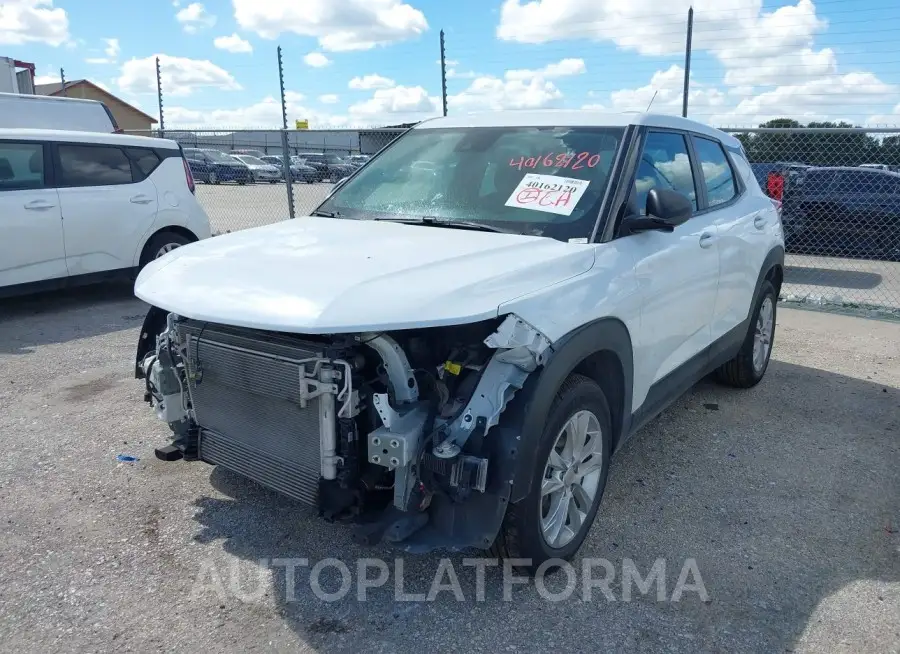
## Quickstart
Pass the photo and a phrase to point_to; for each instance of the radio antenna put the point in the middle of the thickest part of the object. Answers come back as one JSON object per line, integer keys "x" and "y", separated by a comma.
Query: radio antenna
{"x": 652, "y": 99}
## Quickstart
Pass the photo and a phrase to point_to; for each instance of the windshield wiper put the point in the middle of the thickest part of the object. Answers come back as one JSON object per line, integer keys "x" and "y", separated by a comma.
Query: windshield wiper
{"x": 433, "y": 221}
{"x": 326, "y": 214}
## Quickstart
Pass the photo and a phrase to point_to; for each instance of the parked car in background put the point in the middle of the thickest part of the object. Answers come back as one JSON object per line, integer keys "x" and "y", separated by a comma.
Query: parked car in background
{"x": 358, "y": 160}
{"x": 214, "y": 167}
{"x": 261, "y": 171}
{"x": 253, "y": 153}
{"x": 846, "y": 212}
{"x": 300, "y": 172}
{"x": 26, "y": 111}
{"x": 78, "y": 207}
{"x": 775, "y": 177}
{"x": 329, "y": 167}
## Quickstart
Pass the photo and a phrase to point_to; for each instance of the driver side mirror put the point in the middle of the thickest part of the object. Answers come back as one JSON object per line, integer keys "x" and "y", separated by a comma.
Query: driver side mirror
{"x": 665, "y": 210}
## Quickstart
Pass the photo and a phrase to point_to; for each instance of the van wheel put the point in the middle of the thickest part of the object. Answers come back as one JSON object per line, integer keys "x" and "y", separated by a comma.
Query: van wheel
{"x": 553, "y": 520}
{"x": 161, "y": 244}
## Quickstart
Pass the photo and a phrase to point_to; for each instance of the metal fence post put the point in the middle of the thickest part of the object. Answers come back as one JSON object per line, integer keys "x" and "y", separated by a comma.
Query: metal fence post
{"x": 159, "y": 98}
{"x": 687, "y": 62}
{"x": 443, "y": 72}
{"x": 286, "y": 167}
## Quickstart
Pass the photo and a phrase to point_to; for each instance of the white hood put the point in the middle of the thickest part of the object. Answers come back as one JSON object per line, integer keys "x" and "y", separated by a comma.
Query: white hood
{"x": 323, "y": 275}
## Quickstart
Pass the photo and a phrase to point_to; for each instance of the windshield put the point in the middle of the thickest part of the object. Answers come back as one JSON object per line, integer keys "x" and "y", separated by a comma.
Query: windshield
{"x": 221, "y": 157}
{"x": 540, "y": 181}
{"x": 333, "y": 159}
{"x": 317, "y": 158}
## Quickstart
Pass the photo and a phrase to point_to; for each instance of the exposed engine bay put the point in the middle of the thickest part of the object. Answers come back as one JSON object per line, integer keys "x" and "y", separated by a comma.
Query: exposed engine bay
{"x": 397, "y": 431}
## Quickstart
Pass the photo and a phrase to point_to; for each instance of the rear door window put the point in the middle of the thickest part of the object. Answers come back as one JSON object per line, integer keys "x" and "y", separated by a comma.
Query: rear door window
{"x": 21, "y": 166}
{"x": 93, "y": 165}
{"x": 717, "y": 174}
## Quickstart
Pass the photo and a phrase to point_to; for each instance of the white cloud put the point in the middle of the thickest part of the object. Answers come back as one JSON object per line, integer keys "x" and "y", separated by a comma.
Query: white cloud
{"x": 400, "y": 104}
{"x": 745, "y": 39}
{"x": 827, "y": 98}
{"x": 492, "y": 93}
{"x": 194, "y": 18}
{"x": 111, "y": 51}
{"x": 316, "y": 60}
{"x": 564, "y": 68}
{"x": 370, "y": 82}
{"x": 265, "y": 114}
{"x": 232, "y": 43}
{"x": 339, "y": 26}
{"x": 329, "y": 98}
{"x": 47, "y": 79}
{"x": 33, "y": 21}
{"x": 180, "y": 75}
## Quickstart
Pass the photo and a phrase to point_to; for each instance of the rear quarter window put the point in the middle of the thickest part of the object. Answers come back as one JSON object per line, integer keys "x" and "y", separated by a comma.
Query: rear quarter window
{"x": 145, "y": 159}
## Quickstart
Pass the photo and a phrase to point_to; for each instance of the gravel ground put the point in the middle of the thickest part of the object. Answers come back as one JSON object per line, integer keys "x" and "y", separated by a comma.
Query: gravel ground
{"x": 786, "y": 496}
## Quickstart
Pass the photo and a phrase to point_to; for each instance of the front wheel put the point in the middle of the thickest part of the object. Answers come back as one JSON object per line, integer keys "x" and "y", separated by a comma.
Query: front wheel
{"x": 749, "y": 365}
{"x": 568, "y": 480}
{"x": 212, "y": 179}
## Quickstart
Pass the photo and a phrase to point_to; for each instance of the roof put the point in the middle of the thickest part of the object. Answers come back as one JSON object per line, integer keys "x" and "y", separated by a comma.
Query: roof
{"x": 69, "y": 136}
{"x": 55, "y": 89}
{"x": 572, "y": 118}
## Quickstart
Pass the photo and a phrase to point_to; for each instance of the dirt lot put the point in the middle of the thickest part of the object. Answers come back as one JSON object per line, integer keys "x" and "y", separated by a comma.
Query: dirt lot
{"x": 786, "y": 496}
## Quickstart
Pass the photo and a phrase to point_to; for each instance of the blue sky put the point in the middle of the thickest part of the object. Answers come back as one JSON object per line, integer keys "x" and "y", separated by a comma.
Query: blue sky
{"x": 370, "y": 62}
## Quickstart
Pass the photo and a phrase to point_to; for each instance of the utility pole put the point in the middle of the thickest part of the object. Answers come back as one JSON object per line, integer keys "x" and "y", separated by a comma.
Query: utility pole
{"x": 162, "y": 120}
{"x": 687, "y": 63}
{"x": 62, "y": 77}
{"x": 443, "y": 72}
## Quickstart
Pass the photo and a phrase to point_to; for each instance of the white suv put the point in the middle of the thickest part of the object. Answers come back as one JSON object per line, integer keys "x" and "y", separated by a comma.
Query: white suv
{"x": 77, "y": 207}
{"x": 451, "y": 354}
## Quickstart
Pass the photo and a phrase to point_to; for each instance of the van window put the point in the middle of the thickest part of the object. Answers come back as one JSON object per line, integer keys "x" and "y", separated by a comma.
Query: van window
{"x": 21, "y": 166}
{"x": 90, "y": 165}
{"x": 146, "y": 160}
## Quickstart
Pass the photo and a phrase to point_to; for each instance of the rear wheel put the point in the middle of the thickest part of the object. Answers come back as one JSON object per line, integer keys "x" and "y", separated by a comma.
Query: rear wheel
{"x": 553, "y": 520}
{"x": 747, "y": 368}
{"x": 161, "y": 244}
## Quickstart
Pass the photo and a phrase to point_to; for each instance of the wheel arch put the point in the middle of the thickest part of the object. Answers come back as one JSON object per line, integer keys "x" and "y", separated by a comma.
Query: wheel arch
{"x": 174, "y": 229}
{"x": 600, "y": 350}
{"x": 772, "y": 271}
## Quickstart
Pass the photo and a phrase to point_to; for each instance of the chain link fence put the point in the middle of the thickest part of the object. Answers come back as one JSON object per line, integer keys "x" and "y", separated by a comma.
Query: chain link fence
{"x": 839, "y": 190}
{"x": 250, "y": 178}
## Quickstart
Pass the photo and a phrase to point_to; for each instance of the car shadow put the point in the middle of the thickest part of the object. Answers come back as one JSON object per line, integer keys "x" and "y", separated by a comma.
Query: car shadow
{"x": 812, "y": 276}
{"x": 67, "y": 315}
{"x": 784, "y": 495}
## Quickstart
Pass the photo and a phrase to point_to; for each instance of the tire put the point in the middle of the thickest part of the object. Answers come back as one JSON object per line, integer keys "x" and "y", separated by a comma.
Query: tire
{"x": 212, "y": 179}
{"x": 522, "y": 534}
{"x": 746, "y": 370}
{"x": 161, "y": 244}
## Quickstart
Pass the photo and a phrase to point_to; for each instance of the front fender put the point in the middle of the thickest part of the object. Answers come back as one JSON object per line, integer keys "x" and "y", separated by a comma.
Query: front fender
{"x": 527, "y": 413}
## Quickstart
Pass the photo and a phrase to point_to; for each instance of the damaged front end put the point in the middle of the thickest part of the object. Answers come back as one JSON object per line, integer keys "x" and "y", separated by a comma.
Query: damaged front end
{"x": 398, "y": 431}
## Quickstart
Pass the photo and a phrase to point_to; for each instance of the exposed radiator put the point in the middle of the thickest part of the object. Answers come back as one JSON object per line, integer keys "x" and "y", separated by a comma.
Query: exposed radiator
{"x": 246, "y": 401}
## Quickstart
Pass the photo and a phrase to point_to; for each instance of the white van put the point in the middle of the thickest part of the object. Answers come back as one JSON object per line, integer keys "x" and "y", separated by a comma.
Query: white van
{"x": 78, "y": 207}
{"x": 19, "y": 110}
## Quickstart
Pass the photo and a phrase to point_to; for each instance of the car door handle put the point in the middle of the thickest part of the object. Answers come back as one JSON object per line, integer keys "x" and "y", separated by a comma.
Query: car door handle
{"x": 759, "y": 222}
{"x": 706, "y": 240}
{"x": 141, "y": 199}
{"x": 39, "y": 205}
